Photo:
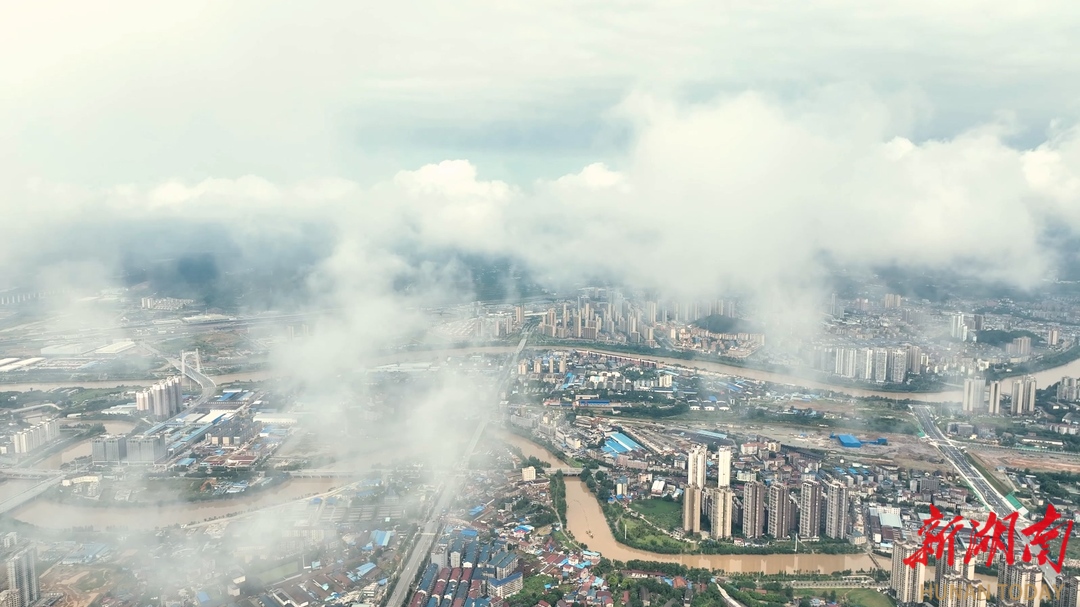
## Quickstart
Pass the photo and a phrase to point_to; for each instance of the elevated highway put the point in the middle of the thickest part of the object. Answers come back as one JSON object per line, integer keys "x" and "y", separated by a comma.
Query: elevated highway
{"x": 15, "y": 501}
{"x": 27, "y": 473}
{"x": 206, "y": 384}
{"x": 986, "y": 492}
{"x": 325, "y": 473}
{"x": 33, "y": 407}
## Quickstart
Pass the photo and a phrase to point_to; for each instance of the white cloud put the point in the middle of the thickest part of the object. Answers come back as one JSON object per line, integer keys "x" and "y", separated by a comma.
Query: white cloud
{"x": 130, "y": 91}
{"x": 744, "y": 191}
{"x": 596, "y": 176}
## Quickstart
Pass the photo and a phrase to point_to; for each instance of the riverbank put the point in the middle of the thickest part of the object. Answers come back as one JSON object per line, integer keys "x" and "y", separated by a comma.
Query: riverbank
{"x": 1046, "y": 371}
{"x": 253, "y": 376}
{"x": 588, "y": 525}
{"x": 1039, "y": 365}
{"x": 1044, "y": 377}
{"x": 689, "y": 356}
{"x": 785, "y": 378}
{"x": 166, "y": 492}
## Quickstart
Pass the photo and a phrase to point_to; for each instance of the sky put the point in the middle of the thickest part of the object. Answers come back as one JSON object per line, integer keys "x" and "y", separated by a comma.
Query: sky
{"x": 717, "y": 146}
{"x": 133, "y": 92}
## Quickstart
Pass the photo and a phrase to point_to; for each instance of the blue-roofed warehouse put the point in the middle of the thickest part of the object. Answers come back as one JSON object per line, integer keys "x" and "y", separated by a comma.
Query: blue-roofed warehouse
{"x": 848, "y": 440}
{"x": 618, "y": 443}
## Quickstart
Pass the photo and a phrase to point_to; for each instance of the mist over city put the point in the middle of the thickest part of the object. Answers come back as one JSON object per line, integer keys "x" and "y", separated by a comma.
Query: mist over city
{"x": 565, "y": 304}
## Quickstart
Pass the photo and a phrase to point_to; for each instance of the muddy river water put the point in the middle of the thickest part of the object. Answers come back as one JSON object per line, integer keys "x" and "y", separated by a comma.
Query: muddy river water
{"x": 57, "y": 515}
{"x": 1044, "y": 378}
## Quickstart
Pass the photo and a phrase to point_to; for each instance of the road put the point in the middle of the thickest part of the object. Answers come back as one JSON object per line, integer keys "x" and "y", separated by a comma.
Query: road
{"x": 986, "y": 492}
{"x": 727, "y": 597}
{"x": 983, "y": 489}
{"x": 429, "y": 532}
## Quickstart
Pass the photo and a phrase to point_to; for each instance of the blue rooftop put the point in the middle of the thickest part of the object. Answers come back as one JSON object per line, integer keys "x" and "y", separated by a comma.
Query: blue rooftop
{"x": 625, "y": 440}
{"x": 848, "y": 440}
{"x": 382, "y": 538}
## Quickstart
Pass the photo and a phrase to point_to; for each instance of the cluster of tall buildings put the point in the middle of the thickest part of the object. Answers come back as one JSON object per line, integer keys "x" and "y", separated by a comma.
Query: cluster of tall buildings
{"x": 114, "y": 449}
{"x": 893, "y": 300}
{"x": 761, "y": 509}
{"x": 164, "y": 303}
{"x": 550, "y": 364}
{"x": 11, "y": 299}
{"x": 907, "y": 583}
{"x": 782, "y": 510}
{"x": 717, "y": 502}
{"x": 955, "y": 585}
{"x": 162, "y": 400}
{"x": 1019, "y": 347}
{"x": 23, "y": 588}
{"x": 1019, "y": 585}
{"x": 36, "y": 436}
{"x": 964, "y": 326}
{"x": 589, "y": 319}
{"x": 879, "y": 365}
{"x": 1068, "y": 591}
{"x": 1023, "y": 395}
{"x": 696, "y": 466}
{"x": 980, "y": 396}
{"x": 1068, "y": 389}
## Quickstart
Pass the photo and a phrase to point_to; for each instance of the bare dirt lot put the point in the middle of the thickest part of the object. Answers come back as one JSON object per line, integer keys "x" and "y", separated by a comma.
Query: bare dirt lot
{"x": 1051, "y": 462}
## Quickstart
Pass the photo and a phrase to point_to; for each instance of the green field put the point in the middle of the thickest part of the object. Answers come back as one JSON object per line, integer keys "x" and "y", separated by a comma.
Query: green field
{"x": 853, "y": 597}
{"x": 638, "y": 534}
{"x": 642, "y": 536}
{"x": 662, "y": 513}
{"x": 279, "y": 572}
{"x": 535, "y": 584}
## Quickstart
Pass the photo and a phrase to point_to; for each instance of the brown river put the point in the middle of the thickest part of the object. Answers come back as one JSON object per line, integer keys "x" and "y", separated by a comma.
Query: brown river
{"x": 1044, "y": 378}
{"x": 262, "y": 375}
{"x": 586, "y": 522}
{"x": 56, "y": 515}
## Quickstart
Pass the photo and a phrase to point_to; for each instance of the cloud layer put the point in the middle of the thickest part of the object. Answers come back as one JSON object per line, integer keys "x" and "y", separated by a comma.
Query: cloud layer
{"x": 746, "y": 192}
{"x": 681, "y": 147}
{"x": 127, "y": 91}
